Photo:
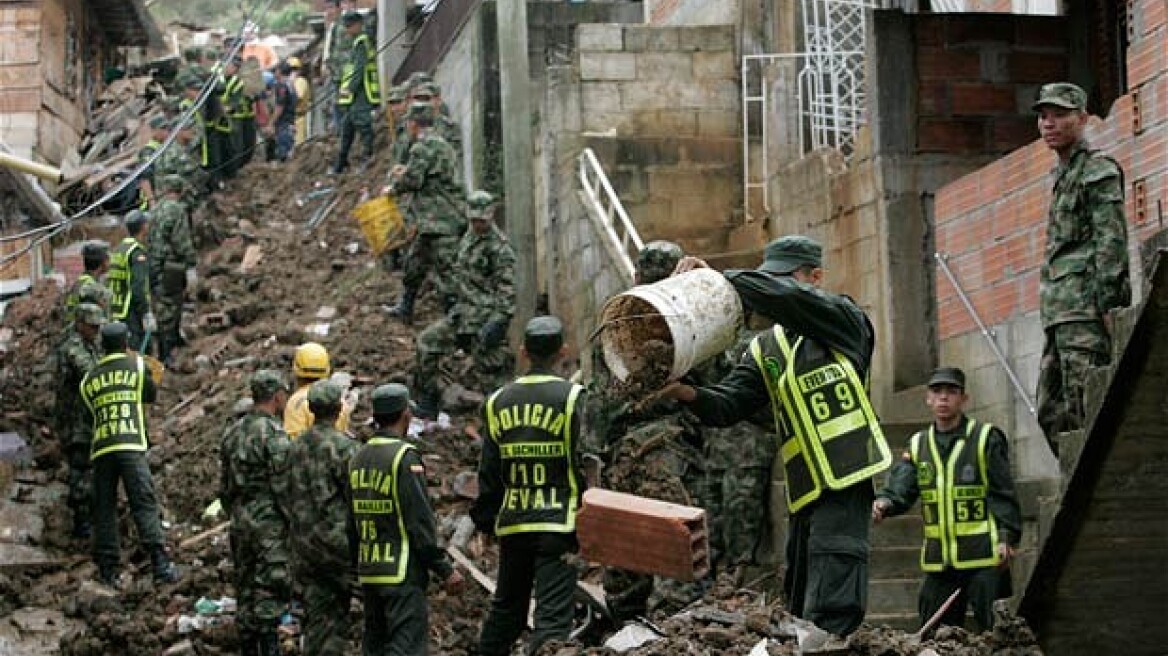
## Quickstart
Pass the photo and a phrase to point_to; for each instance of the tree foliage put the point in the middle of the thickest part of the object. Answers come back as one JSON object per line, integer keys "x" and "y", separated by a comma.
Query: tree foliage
{"x": 282, "y": 16}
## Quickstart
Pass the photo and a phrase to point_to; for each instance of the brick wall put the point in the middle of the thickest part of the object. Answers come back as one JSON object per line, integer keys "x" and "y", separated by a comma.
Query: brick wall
{"x": 992, "y": 222}
{"x": 977, "y": 76}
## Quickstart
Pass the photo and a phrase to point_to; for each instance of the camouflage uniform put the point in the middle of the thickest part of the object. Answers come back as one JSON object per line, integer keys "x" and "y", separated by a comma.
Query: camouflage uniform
{"x": 179, "y": 160}
{"x": 653, "y": 452}
{"x": 400, "y": 151}
{"x": 254, "y": 454}
{"x": 484, "y": 284}
{"x": 86, "y": 289}
{"x": 738, "y": 472}
{"x": 434, "y": 209}
{"x": 1084, "y": 275}
{"x": 75, "y": 356}
{"x": 319, "y": 526}
{"x": 444, "y": 126}
{"x": 172, "y": 252}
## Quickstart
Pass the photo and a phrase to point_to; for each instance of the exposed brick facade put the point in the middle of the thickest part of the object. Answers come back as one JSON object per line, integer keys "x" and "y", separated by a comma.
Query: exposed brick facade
{"x": 991, "y": 222}
{"x": 977, "y": 74}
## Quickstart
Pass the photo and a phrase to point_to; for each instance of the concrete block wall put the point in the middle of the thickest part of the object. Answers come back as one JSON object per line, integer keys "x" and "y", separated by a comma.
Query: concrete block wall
{"x": 460, "y": 74}
{"x": 992, "y": 221}
{"x": 661, "y": 107}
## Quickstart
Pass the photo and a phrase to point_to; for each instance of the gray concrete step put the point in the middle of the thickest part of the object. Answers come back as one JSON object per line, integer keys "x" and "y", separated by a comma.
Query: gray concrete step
{"x": 895, "y": 563}
{"x": 893, "y": 595}
{"x": 902, "y": 531}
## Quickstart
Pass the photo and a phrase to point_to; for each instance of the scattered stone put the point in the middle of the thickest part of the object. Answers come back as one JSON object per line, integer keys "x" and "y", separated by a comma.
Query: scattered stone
{"x": 251, "y": 257}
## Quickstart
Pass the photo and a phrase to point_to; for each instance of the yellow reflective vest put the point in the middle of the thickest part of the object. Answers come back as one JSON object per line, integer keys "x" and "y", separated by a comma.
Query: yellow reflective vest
{"x": 829, "y": 436}
{"x": 383, "y": 544}
{"x": 371, "y": 80}
{"x": 960, "y": 531}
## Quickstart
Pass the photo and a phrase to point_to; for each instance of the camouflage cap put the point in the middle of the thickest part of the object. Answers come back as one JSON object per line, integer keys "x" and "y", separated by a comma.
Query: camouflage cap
{"x": 788, "y": 253}
{"x": 657, "y": 260}
{"x": 418, "y": 77}
{"x": 391, "y": 399}
{"x": 170, "y": 182}
{"x": 325, "y": 394}
{"x": 265, "y": 383}
{"x": 426, "y": 90}
{"x": 90, "y": 313}
{"x": 398, "y": 93}
{"x": 1061, "y": 94}
{"x": 479, "y": 204}
{"x": 420, "y": 111}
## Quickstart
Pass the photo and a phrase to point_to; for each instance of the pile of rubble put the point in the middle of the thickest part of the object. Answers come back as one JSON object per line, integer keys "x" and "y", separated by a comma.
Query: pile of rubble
{"x": 282, "y": 262}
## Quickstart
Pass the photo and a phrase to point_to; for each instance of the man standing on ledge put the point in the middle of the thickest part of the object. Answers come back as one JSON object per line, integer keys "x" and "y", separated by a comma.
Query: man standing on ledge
{"x": 1085, "y": 271}
{"x": 812, "y": 369}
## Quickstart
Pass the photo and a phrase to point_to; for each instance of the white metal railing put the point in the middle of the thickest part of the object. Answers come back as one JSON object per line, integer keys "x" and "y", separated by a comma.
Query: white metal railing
{"x": 607, "y": 212}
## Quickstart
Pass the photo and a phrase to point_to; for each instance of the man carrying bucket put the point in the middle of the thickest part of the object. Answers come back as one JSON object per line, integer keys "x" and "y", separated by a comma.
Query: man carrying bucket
{"x": 811, "y": 368}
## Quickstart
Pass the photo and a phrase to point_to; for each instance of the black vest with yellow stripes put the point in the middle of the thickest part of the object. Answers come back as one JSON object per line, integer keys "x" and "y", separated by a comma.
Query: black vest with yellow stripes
{"x": 531, "y": 421}
{"x": 121, "y": 277}
{"x": 829, "y": 436}
{"x": 960, "y": 531}
{"x": 383, "y": 545}
{"x": 113, "y": 392}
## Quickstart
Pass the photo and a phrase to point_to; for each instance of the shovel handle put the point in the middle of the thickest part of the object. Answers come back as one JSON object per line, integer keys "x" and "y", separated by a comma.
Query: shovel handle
{"x": 145, "y": 342}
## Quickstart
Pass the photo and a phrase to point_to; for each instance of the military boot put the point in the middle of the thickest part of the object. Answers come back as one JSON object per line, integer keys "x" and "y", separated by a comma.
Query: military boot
{"x": 164, "y": 570}
{"x": 404, "y": 309}
{"x": 109, "y": 575}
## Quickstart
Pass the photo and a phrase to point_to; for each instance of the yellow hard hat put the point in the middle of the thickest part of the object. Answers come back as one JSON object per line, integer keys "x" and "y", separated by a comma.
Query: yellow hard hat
{"x": 294, "y": 62}
{"x": 311, "y": 361}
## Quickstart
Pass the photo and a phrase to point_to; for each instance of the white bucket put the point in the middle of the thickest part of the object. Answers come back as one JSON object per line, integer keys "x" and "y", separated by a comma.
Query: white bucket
{"x": 656, "y": 333}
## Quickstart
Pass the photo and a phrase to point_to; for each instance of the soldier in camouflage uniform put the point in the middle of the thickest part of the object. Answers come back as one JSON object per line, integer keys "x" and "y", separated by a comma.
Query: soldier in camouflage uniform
{"x": 434, "y": 209}
{"x": 399, "y": 97}
{"x": 738, "y": 471}
{"x": 88, "y": 287}
{"x": 254, "y": 455}
{"x": 484, "y": 285}
{"x": 75, "y": 356}
{"x": 172, "y": 262}
{"x": 653, "y": 451}
{"x": 1085, "y": 273}
{"x": 446, "y": 127}
{"x": 320, "y": 531}
{"x": 159, "y": 126}
{"x": 182, "y": 159}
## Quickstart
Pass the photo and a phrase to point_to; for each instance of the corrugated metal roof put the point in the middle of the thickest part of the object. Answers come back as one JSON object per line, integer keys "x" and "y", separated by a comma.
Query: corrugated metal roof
{"x": 126, "y": 22}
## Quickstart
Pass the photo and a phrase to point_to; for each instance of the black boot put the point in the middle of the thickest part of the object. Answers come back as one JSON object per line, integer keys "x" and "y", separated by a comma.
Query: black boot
{"x": 108, "y": 575}
{"x": 404, "y": 309}
{"x": 164, "y": 570}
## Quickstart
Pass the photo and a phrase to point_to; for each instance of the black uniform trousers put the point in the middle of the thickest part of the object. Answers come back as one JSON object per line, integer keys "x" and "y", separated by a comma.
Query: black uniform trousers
{"x": 527, "y": 560}
{"x": 397, "y": 620}
{"x": 131, "y": 469}
{"x": 219, "y": 159}
{"x": 827, "y": 559}
{"x": 978, "y": 586}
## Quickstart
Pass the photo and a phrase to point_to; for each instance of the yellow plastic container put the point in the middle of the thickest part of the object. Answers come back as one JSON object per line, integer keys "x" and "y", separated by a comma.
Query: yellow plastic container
{"x": 382, "y": 224}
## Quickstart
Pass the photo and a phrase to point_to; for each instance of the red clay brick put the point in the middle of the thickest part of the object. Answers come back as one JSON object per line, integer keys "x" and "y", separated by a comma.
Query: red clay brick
{"x": 950, "y": 136}
{"x": 942, "y": 64}
{"x": 1150, "y": 16}
{"x": 976, "y": 99}
{"x": 1012, "y": 132}
{"x": 643, "y": 535}
{"x": 1037, "y": 68}
{"x": 956, "y": 198}
{"x": 1145, "y": 60}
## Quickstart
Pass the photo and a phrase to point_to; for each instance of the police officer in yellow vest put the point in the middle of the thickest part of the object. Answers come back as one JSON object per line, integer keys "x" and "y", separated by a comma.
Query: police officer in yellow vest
{"x": 812, "y": 369}
{"x": 115, "y": 393}
{"x": 529, "y": 491}
{"x": 960, "y": 469}
{"x": 397, "y": 540}
{"x": 129, "y": 280}
{"x": 359, "y": 92}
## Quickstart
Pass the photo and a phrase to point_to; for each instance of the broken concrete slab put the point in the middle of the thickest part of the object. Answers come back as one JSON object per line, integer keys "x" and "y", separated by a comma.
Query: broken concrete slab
{"x": 252, "y": 256}
{"x": 633, "y": 635}
{"x": 14, "y": 449}
{"x": 34, "y": 632}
